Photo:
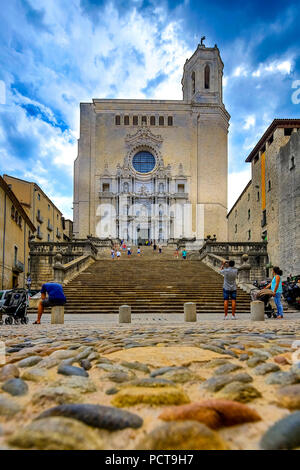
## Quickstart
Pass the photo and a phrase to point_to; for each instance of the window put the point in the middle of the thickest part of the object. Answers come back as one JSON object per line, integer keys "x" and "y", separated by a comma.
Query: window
{"x": 105, "y": 187}
{"x": 170, "y": 120}
{"x": 143, "y": 162}
{"x": 118, "y": 120}
{"x": 256, "y": 158}
{"x": 288, "y": 131}
{"x": 15, "y": 254}
{"x": 48, "y": 237}
{"x": 263, "y": 149}
{"x": 48, "y": 207}
{"x": 152, "y": 120}
{"x": 12, "y": 212}
{"x": 249, "y": 214}
{"x": 161, "y": 121}
{"x": 235, "y": 228}
{"x": 249, "y": 234}
{"x": 39, "y": 196}
{"x": 126, "y": 120}
{"x": 264, "y": 218}
{"x": 271, "y": 139}
{"x": 20, "y": 221}
{"x": 292, "y": 163}
{"x": 144, "y": 120}
{"x": 161, "y": 187}
{"x": 269, "y": 185}
{"x": 193, "y": 83}
{"x": 257, "y": 195}
{"x": 135, "y": 120}
{"x": 181, "y": 188}
{"x": 265, "y": 236}
{"x": 235, "y": 214}
{"x": 126, "y": 187}
{"x": 207, "y": 77}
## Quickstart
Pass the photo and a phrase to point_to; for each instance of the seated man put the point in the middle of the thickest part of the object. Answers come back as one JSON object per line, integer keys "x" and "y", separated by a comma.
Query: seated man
{"x": 56, "y": 296}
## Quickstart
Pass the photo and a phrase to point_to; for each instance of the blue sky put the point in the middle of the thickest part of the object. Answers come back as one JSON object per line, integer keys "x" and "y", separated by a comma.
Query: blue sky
{"x": 55, "y": 53}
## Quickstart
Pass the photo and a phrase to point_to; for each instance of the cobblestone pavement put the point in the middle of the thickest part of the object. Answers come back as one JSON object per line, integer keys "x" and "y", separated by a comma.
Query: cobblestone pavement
{"x": 153, "y": 384}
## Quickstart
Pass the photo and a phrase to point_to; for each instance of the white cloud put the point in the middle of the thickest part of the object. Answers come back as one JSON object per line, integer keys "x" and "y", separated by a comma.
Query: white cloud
{"x": 237, "y": 181}
{"x": 249, "y": 122}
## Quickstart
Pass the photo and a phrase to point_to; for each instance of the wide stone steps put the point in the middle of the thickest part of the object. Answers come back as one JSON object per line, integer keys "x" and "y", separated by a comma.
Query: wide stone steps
{"x": 151, "y": 284}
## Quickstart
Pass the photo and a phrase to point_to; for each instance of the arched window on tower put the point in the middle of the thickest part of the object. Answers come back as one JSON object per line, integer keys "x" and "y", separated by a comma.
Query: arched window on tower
{"x": 193, "y": 83}
{"x": 207, "y": 77}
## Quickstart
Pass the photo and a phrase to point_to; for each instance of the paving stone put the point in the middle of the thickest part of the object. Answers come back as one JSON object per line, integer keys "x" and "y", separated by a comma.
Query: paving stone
{"x": 97, "y": 416}
{"x": 186, "y": 435}
{"x": 214, "y": 384}
{"x": 57, "y": 433}
{"x": 15, "y": 387}
{"x": 130, "y": 396}
{"x": 29, "y": 361}
{"x": 284, "y": 434}
{"x": 240, "y": 392}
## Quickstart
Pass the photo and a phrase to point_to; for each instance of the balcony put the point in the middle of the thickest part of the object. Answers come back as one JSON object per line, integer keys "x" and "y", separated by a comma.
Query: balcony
{"x": 50, "y": 227}
{"x": 58, "y": 234}
{"x": 18, "y": 267}
{"x": 39, "y": 235}
{"x": 106, "y": 194}
{"x": 180, "y": 195}
{"x": 39, "y": 218}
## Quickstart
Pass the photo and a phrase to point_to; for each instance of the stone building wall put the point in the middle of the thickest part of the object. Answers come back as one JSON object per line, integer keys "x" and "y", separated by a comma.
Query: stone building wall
{"x": 262, "y": 194}
{"x": 193, "y": 148}
{"x": 289, "y": 204}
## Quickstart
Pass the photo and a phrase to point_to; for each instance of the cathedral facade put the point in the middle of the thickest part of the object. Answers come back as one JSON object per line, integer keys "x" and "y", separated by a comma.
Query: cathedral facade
{"x": 156, "y": 169}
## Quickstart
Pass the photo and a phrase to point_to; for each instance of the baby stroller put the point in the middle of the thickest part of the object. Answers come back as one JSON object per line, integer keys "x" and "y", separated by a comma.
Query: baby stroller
{"x": 15, "y": 307}
{"x": 265, "y": 296}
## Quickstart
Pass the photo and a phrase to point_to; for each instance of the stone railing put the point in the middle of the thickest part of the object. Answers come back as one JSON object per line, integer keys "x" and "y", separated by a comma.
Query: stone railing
{"x": 42, "y": 257}
{"x": 250, "y": 258}
{"x": 234, "y": 248}
{"x": 64, "y": 273}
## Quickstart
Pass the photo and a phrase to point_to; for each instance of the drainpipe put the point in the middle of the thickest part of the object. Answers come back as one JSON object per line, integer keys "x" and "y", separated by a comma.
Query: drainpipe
{"x": 4, "y": 231}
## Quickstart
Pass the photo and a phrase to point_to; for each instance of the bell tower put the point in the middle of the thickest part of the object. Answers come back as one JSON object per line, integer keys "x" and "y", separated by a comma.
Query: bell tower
{"x": 202, "y": 76}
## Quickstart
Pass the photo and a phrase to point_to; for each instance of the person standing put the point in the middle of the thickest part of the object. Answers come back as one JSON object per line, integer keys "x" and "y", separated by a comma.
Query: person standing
{"x": 139, "y": 251}
{"x": 229, "y": 287}
{"x": 276, "y": 287}
{"x": 154, "y": 246}
{"x": 112, "y": 252}
{"x": 176, "y": 253}
{"x": 184, "y": 253}
{"x": 118, "y": 255}
{"x": 159, "y": 249}
{"x": 129, "y": 251}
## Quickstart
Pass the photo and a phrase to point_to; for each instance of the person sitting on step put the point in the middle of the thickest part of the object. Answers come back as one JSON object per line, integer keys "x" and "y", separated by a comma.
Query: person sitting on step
{"x": 56, "y": 297}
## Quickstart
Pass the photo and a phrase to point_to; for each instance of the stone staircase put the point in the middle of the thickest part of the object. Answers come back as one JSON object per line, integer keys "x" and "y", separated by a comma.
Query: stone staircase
{"x": 152, "y": 284}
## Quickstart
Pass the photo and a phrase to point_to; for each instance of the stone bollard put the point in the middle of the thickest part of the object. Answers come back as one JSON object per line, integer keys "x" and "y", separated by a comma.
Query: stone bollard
{"x": 124, "y": 314}
{"x": 190, "y": 313}
{"x": 57, "y": 314}
{"x": 257, "y": 309}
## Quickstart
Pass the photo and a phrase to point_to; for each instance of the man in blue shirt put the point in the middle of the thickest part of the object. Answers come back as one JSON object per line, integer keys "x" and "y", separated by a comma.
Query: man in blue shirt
{"x": 56, "y": 296}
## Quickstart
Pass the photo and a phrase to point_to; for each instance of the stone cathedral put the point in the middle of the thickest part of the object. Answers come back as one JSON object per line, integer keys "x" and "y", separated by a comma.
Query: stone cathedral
{"x": 156, "y": 169}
